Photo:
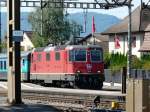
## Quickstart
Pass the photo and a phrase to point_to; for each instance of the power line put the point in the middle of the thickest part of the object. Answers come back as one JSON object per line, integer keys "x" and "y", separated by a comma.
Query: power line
{"x": 67, "y": 4}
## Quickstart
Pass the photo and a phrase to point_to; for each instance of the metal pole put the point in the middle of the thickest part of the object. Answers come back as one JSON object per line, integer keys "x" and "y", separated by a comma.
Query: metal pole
{"x": 11, "y": 76}
{"x": 17, "y": 57}
{"x": 129, "y": 44}
{"x": 124, "y": 73}
{"x": 14, "y": 83}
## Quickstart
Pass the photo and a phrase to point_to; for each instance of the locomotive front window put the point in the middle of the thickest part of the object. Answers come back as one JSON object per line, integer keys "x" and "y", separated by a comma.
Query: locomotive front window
{"x": 96, "y": 55}
{"x": 80, "y": 55}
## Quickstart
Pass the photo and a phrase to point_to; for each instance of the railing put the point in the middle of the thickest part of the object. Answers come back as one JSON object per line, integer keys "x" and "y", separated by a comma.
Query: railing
{"x": 135, "y": 73}
{"x": 140, "y": 74}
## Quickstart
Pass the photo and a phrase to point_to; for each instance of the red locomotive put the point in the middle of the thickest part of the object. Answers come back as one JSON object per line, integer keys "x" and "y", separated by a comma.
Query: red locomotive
{"x": 71, "y": 65}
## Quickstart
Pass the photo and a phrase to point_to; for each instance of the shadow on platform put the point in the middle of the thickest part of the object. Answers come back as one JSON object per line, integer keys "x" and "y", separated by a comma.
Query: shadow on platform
{"x": 28, "y": 108}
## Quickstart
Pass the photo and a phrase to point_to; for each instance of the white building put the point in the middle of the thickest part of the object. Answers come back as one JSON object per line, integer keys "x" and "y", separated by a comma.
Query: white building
{"x": 118, "y": 41}
{"x": 27, "y": 44}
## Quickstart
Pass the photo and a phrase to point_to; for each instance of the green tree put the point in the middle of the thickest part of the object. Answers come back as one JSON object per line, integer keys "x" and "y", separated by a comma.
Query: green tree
{"x": 3, "y": 45}
{"x": 57, "y": 29}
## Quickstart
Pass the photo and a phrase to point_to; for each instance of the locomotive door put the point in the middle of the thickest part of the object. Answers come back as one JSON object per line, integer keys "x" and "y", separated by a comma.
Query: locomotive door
{"x": 64, "y": 61}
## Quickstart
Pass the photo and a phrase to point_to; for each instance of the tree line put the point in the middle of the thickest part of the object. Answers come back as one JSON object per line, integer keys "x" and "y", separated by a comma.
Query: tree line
{"x": 57, "y": 29}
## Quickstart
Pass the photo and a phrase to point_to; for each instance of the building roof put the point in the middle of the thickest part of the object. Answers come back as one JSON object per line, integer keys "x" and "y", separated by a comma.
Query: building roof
{"x": 145, "y": 45}
{"x": 98, "y": 36}
{"x": 29, "y": 34}
{"x": 140, "y": 22}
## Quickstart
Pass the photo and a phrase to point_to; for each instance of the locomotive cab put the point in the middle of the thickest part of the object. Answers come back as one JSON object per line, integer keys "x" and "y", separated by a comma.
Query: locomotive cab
{"x": 86, "y": 64}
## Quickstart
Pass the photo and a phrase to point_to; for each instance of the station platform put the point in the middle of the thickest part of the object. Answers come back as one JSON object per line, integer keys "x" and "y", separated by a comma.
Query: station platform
{"x": 26, "y": 107}
{"x": 109, "y": 86}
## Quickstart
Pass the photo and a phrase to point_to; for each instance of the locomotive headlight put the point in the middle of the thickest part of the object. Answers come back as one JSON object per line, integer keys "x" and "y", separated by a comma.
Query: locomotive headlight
{"x": 78, "y": 71}
{"x": 98, "y": 71}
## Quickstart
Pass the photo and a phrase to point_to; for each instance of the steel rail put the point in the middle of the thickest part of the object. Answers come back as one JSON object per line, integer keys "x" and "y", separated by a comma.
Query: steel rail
{"x": 64, "y": 100}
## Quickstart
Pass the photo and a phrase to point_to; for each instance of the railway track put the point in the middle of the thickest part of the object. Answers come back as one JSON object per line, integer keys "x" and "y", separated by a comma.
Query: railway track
{"x": 69, "y": 101}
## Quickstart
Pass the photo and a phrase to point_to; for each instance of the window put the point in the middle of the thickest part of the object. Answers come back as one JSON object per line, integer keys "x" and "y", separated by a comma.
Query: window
{"x": 47, "y": 56}
{"x": 39, "y": 57}
{"x": 77, "y": 55}
{"x": 71, "y": 55}
{"x": 80, "y": 55}
{"x": 96, "y": 55}
{"x": 133, "y": 41}
{"x": 57, "y": 56}
{"x": 117, "y": 42}
{"x": 5, "y": 65}
{"x": 1, "y": 65}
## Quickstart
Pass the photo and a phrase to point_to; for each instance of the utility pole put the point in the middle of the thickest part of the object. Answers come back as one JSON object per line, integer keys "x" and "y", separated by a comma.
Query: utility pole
{"x": 14, "y": 78}
{"x": 0, "y": 28}
{"x": 11, "y": 76}
{"x": 16, "y": 26}
{"x": 41, "y": 2}
{"x": 129, "y": 42}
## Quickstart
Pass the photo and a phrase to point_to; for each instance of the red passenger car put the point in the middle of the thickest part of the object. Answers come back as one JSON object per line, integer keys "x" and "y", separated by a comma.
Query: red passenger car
{"x": 71, "y": 65}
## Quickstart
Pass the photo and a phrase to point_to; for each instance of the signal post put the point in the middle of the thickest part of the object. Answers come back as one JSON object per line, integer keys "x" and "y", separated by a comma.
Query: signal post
{"x": 13, "y": 46}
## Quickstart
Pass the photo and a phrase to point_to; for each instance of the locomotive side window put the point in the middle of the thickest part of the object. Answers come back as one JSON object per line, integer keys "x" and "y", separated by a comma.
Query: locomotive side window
{"x": 57, "y": 56}
{"x": 47, "y": 56}
{"x": 80, "y": 55}
{"x": 96, "y": 55}
{"x": 71, "y": 55}
{"x": 39, "y": 57}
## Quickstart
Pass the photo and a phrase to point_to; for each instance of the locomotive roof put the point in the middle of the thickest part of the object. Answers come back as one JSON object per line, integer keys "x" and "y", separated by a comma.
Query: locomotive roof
{"x": 82, "y": 46}
{"x": 63, "y": 47}
{"x": 25, "y": 53}
{"x": 39, "y": 49}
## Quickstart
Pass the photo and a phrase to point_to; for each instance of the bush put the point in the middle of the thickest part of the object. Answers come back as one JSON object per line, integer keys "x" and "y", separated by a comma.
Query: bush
{"x": 146, "y": 65}
{"x": 136, "y": 63}
{"x": 115, "y": 62}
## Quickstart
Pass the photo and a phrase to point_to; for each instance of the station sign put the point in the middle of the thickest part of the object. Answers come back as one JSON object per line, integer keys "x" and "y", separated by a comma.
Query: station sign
{"x": 17, "y": 35}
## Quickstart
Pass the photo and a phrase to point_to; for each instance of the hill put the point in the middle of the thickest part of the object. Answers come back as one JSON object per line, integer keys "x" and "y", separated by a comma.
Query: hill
{"x": 102, "y": 21}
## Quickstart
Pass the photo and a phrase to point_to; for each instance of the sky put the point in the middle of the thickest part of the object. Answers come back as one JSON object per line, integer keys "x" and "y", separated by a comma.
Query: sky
{"x": 118, "y": 12}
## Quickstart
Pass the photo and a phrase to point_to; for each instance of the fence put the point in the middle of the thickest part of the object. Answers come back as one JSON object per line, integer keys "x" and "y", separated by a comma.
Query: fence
{"x": 135, "y": 73}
